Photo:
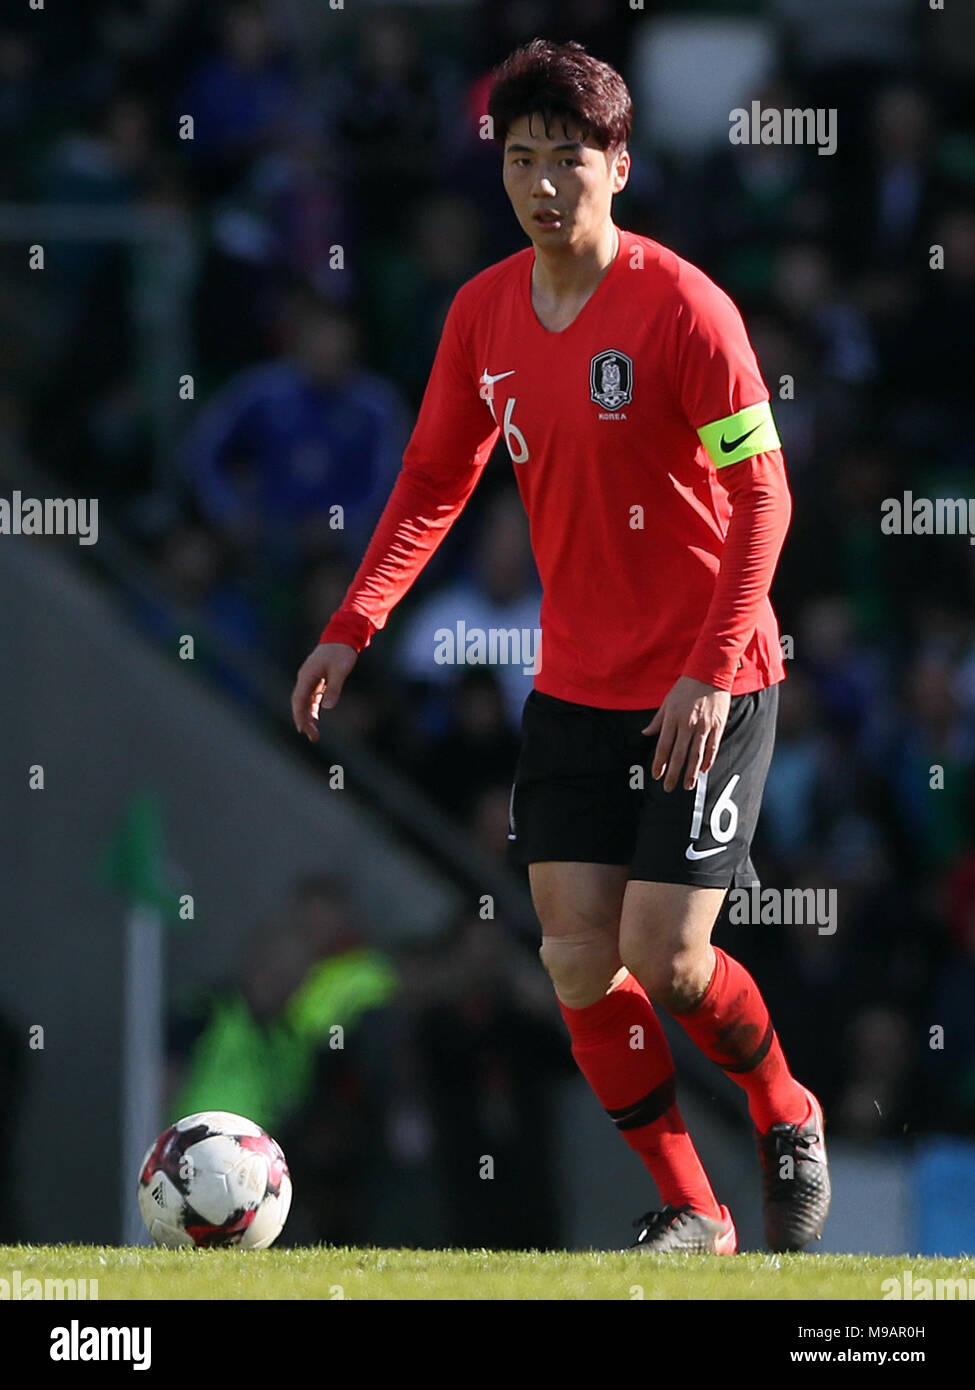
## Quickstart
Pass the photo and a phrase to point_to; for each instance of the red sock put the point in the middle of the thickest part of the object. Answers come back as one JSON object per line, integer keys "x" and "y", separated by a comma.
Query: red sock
{"x": 731, "y": 1025}
{"x": 632, "y": 1074}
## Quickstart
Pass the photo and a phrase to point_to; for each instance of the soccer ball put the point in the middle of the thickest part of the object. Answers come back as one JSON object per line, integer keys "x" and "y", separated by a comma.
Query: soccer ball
{"x": 215, "y": 1179}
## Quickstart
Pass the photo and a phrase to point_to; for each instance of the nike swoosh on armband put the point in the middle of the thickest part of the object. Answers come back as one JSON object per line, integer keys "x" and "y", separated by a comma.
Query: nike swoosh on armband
{"x": 740, "y": 436}
{"x": 727, "y": 448}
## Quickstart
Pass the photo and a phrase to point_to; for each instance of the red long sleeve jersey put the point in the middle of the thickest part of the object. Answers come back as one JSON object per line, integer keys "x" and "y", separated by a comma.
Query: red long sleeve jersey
{"x": 645, "y": 452}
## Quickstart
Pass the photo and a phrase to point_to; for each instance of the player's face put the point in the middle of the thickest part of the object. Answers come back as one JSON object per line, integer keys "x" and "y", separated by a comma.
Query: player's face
{"x": 561, "y": 187}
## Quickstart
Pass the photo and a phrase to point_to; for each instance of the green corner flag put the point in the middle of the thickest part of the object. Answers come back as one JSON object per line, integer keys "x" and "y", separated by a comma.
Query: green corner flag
{"x": 134, "y": 864}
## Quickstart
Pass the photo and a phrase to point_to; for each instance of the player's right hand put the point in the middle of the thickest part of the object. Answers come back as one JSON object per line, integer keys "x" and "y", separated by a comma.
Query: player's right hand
{"x": 319, "y": 684}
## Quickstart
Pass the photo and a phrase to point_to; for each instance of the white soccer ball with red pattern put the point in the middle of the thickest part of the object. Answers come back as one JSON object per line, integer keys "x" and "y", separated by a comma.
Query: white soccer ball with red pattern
{"x": 215, "y": 1179}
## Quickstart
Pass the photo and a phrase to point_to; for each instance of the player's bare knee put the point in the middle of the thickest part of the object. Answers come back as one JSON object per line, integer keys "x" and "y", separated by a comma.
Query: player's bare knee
{"x": 674, "y": 980}
{"x": 581, "y": 968}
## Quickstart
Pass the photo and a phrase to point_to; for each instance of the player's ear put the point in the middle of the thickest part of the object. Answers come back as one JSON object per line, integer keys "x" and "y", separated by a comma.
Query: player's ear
{"x": 621, "y": 170}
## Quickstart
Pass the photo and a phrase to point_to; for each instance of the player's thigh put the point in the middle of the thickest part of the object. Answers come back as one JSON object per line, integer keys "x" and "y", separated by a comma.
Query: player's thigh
{"x": 579, "y": 908}
{"x": 665, "y": 932}
{"x": 573, "y": 899}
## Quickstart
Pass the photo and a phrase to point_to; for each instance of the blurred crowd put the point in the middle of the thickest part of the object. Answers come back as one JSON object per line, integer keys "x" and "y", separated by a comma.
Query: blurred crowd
{"x": 337, "y": 194}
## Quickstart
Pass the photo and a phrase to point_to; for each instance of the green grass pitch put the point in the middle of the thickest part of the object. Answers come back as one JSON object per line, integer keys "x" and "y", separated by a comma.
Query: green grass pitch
{"x": 324, "y": 1272}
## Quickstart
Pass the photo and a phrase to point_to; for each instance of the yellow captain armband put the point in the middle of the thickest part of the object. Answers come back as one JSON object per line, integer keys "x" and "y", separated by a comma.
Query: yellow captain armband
{"x": 751, "y": 431}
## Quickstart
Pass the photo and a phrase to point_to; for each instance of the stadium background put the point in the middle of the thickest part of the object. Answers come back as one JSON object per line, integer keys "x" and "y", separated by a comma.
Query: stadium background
{"x": 293, "y": 261}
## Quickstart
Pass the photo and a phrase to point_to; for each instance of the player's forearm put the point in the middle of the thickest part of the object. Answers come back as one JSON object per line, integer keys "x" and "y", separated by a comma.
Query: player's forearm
{"x": 762, "y": 508}
{"x": 416, "y": 519}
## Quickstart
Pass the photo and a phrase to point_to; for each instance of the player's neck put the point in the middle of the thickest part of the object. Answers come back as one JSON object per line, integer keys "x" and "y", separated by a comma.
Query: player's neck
{"x": 562, "y": 275}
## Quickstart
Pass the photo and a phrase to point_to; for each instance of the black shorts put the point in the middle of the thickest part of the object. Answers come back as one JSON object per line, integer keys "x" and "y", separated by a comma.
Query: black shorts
{"x": 583, "y": 792}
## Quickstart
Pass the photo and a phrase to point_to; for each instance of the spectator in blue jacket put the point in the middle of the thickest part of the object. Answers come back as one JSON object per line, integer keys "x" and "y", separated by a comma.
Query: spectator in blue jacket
{"x": 297, "y": 456}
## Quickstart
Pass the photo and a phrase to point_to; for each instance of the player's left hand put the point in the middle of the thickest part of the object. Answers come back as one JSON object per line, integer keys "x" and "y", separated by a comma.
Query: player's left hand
{"x": 688, "y": 725}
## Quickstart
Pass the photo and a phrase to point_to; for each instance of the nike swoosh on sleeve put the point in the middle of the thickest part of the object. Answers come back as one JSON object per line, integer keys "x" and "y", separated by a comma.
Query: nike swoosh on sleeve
{"x": 729, "y": 448}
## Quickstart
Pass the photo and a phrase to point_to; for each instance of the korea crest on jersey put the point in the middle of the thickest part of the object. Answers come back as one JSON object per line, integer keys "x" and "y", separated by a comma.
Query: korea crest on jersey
{"x": 611, "y": 379}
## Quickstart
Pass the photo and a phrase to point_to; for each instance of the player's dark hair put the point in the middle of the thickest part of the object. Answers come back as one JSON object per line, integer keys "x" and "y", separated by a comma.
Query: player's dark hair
{"x": 561, "y": 82}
